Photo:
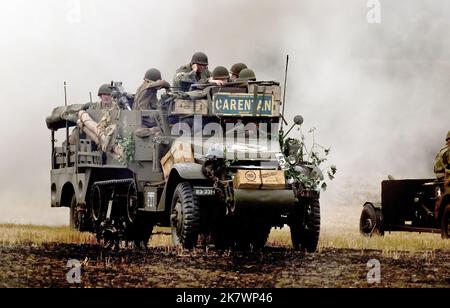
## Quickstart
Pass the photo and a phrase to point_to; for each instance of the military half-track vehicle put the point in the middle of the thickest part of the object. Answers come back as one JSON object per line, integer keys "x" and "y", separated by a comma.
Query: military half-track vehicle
{"x": 417, "y": 205}
{"x": 215, "y": 173}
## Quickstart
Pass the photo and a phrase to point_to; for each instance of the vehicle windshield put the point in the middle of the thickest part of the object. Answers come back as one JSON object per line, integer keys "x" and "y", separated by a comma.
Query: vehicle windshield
{"x": 240, "y": 139}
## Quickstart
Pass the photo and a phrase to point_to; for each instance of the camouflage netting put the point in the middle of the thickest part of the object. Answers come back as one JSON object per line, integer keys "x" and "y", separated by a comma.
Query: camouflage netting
{"x": 62, "y": 114}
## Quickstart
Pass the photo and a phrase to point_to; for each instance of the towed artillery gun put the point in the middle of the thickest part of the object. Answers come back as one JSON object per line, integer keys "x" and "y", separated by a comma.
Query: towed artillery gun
{"x": 412, "y": 205}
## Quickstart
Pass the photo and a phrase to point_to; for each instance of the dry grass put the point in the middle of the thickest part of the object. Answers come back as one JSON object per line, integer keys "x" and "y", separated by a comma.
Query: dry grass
{"x": 339, "y": 230}
{"x": 389, "y": 244}
{"x": 27, "y": 234}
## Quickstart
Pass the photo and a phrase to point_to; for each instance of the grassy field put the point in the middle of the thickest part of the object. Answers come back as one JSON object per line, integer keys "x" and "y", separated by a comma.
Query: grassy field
{"x": 339, "y": 230}
{"x": 36, "y": 235}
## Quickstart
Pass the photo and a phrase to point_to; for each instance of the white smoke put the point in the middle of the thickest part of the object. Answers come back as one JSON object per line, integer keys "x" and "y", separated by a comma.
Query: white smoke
{"x": 377, "y": 93}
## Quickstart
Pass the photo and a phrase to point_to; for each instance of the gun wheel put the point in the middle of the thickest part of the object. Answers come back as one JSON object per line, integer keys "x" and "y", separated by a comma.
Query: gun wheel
{"x": 371, "y": 221}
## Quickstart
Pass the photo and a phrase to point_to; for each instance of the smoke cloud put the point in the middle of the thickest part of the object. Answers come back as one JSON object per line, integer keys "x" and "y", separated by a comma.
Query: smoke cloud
{"x": 377, "y": 93}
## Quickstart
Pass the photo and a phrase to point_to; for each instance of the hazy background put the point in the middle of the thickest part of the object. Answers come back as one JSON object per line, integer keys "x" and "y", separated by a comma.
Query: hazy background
{"x": 378, "y": 94}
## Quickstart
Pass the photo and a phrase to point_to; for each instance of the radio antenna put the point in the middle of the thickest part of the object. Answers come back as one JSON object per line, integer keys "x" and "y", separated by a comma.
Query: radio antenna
{"x": 284, "y": 94}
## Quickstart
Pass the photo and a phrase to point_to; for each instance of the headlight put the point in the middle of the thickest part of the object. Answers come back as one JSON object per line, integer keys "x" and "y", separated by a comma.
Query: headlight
{"x": 292, "y": 159}
{"x": 317, "y": 173}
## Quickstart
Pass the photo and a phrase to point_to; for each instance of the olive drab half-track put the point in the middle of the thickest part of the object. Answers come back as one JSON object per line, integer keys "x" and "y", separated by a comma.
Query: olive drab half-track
{"x": 209, "y": 163}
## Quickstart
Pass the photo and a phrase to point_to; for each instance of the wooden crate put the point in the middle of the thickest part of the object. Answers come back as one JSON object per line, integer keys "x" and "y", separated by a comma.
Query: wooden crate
{"x": 167, "y": 163}
{"x": 247, "y": 179}
{"x": 182, "y": 106}
{"x": 182, "y": 152}
{"x": 273, "y": 179}
{"x": 259, "y": 179}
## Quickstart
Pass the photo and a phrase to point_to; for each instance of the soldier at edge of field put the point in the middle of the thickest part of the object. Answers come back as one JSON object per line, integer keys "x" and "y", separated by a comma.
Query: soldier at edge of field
{"x": 442, "y": 161}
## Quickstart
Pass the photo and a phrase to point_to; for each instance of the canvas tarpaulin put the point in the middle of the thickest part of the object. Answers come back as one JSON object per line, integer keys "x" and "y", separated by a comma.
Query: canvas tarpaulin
{"x": 62, "y": 114}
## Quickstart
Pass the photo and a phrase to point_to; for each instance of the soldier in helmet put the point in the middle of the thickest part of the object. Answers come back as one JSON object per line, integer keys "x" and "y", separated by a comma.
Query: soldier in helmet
{"x": 247, "y": 75}
{"x": 146, "y": 95}
{"x": 106, "y": 100}
{"x": 194, "y": 72}
{"x": 220, "y": 73}
{"x": 442, "y": 161}
{"x": 236, "y": 69}
{"x": 106, "y": 103}
{"x": 220, "y": 76}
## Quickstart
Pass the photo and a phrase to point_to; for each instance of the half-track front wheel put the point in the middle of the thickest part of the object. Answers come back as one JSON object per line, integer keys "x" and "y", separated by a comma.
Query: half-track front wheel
{"x": 305, "y": 227}
{"x": 185, "y": 217}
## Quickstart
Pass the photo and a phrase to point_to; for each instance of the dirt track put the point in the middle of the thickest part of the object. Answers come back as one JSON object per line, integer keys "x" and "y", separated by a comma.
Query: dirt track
{"x": 45, "y": 266}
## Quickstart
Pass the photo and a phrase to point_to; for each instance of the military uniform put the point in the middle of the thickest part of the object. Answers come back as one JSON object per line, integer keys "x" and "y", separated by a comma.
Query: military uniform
{"x": 442, "y": 161}
{"x": 104, "y": 122}
{"x": 185, "y": 77}
{"x": 146, "y": 95}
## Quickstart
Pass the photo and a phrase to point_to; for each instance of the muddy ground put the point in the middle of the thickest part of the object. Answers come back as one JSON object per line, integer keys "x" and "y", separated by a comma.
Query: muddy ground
{"x": 46, "y": 266}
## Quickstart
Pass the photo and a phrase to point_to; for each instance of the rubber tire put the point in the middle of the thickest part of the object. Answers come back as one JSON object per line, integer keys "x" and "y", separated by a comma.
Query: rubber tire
{"x": 305, "y": 237}
{"x": 190, "y": 211}
{"x": 445, "y": 220}
{"x": 371, "y": 221}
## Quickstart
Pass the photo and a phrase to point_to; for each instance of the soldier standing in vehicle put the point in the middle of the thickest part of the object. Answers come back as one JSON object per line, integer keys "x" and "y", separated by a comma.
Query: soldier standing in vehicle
{"x": 194, "y": 72}
{"x": 442, "y": 161}
{"x": 236, "y": 70}
{"x": 146, "y": 95}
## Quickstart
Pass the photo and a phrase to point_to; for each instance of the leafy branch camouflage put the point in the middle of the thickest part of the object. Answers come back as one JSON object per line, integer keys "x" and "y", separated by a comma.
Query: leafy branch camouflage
{"x": 317, "y": 155}
{"x": 127, "y": 145}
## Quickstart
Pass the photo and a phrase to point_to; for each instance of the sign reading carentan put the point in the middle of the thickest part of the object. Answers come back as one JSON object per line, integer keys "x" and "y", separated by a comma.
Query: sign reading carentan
{"x": 243, "y": 104}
